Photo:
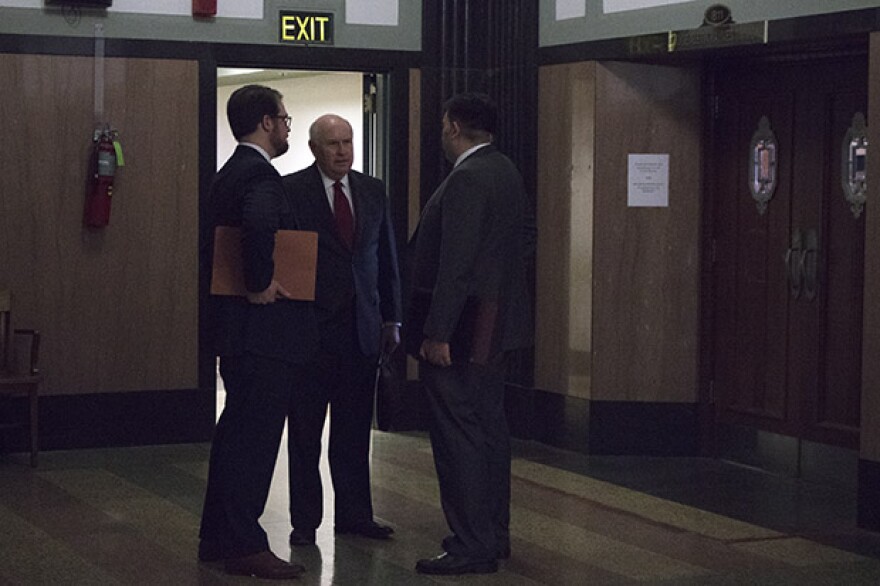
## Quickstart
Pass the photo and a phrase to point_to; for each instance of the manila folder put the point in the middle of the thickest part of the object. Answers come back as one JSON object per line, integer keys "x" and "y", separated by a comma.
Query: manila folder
{"x": 296, "y": 255}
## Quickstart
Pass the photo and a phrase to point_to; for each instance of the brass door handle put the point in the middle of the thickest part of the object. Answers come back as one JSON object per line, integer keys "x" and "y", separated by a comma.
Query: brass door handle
{"x": 794, "y": 264}
{"x": 809, "y": 262}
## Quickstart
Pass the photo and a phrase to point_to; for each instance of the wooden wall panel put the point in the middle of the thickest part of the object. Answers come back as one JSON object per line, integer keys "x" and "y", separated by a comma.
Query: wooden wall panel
{"x": 566, "y": 113}
{"x": 646, "y": 260}
{"x": 117, "y": 307}
{"x": 870, "y": 405}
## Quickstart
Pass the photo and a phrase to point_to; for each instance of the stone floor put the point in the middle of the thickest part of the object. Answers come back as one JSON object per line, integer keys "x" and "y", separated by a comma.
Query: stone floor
{"x": 130, "y": 516}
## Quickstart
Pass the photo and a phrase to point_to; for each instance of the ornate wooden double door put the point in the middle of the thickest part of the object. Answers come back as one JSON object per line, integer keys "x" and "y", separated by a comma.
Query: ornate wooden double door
{"x": 786, "y": 176}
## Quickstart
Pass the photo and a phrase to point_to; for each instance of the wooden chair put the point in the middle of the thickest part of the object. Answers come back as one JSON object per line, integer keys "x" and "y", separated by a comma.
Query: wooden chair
{"x": 19, "y": 376}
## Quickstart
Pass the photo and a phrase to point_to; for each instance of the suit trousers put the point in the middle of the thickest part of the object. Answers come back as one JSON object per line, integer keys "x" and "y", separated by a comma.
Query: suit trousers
{"x": 471, "y": 445}
{"x": 345, "y": 383}
{"x": 244, "y": 451}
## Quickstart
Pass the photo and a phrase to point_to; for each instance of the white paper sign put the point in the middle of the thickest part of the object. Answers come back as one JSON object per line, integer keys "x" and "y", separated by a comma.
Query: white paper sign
{"x": 566, "y": 9}
{"x": 375, "y": 12}
{"x": 648, "y": 179}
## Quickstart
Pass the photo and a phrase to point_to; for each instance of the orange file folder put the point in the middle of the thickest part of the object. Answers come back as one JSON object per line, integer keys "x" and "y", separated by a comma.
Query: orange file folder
{"x": 296, "y": 256}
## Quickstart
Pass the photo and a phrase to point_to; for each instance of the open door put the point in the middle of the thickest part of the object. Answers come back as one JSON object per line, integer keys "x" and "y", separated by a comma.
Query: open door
{"x": 358, "y": 97}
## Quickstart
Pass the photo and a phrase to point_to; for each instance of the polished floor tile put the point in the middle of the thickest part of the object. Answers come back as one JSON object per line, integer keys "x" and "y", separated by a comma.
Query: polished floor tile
{"x": 130, "y": 516}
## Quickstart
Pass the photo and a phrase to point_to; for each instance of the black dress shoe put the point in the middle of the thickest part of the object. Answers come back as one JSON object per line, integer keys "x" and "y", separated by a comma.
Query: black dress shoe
{"x": 369, "y": 529}
{"x": 503, "y": 552}
{"x": 302, "y": 537}
{"x": 264, "y": 564}
{"x": 447, "y": 564}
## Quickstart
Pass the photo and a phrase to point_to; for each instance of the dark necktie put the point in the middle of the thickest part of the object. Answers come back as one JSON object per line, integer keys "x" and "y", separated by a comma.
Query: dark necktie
{"x": 344, "y": 220}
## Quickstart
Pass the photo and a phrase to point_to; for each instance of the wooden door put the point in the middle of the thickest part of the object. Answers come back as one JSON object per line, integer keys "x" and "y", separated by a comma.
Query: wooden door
{"x": 787, "y": 280}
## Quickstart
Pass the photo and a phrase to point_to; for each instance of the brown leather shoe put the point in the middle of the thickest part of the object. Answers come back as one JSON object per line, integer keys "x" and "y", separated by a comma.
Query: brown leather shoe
{"x": 263, "y": 565}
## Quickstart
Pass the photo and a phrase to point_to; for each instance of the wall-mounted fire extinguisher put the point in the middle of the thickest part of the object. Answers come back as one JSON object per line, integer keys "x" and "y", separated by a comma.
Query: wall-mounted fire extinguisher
{"x": 106, "y": 158}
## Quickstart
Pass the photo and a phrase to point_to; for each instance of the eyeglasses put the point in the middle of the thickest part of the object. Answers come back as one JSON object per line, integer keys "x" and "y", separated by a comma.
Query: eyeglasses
{"x": 287, "y": 120}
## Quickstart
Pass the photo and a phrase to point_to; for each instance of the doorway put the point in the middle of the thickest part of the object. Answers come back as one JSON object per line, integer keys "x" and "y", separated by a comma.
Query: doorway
{"x": 788, "y": 257}
{"x": 307, "y": 95}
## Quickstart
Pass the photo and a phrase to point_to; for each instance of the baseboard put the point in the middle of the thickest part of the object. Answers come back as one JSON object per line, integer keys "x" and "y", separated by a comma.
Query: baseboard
{"x": 118, "y": 419}
{"x": 636, "y": 428}
{"x": 788, "y": 456}
{"x": 603, "y": 427}
{"x": 869, "y": 487}
{"x": 550, "y": 418}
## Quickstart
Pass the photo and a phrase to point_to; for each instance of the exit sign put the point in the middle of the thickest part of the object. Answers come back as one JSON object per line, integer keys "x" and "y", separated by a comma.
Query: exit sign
{"x": 306, "y": 28}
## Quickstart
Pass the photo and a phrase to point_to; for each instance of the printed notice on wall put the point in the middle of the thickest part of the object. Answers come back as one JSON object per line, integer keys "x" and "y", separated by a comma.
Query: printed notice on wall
{"x": 374, "y": 12}
{"x": 648, "y": 180}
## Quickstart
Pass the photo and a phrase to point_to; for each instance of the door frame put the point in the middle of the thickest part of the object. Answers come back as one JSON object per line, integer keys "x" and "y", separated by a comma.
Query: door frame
{"x": 394, "y": 72}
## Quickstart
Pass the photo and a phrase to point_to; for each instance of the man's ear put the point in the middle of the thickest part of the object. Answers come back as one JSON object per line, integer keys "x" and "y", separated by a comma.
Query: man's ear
{"x": 266, "y": 123}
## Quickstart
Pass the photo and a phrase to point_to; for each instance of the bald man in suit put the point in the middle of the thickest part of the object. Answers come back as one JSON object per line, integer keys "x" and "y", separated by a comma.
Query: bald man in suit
{"x": 357, "y": 301}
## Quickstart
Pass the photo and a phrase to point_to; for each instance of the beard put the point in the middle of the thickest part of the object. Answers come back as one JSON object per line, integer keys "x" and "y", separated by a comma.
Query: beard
{"x": 280, "y": 145}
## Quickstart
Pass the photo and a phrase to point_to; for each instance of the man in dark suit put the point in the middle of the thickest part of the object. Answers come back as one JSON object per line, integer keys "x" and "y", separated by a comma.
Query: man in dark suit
{"x": 357, "y": 301}
{"x": 470, "y": 306}
{"x": 263, "y": 340}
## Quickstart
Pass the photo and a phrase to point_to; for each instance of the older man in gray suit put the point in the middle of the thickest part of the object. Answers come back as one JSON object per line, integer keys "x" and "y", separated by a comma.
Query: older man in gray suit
{"x": 469, "y": 307}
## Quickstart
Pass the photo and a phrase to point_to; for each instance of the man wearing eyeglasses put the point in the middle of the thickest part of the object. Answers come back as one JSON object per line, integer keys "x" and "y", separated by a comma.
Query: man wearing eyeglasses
{"x": 357, "y": 302}
{"x": 263, "y": 339}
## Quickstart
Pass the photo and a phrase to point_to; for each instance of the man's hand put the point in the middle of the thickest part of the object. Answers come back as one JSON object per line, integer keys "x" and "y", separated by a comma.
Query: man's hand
{"x": 436, "y": 353}
{"x": 269, "y": 295}
{"x": 389, "y": 340}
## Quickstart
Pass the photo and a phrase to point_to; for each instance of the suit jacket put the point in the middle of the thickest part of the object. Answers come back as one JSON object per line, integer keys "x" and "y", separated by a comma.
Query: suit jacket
{"x": 247, "y": 193}
{"x": 469, "y": 257}
{"x": 366, "y": 279}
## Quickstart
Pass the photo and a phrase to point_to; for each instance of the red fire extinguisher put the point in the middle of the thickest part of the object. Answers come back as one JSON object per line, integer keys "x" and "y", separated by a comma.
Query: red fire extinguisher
{"x": 105, "y": 161}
